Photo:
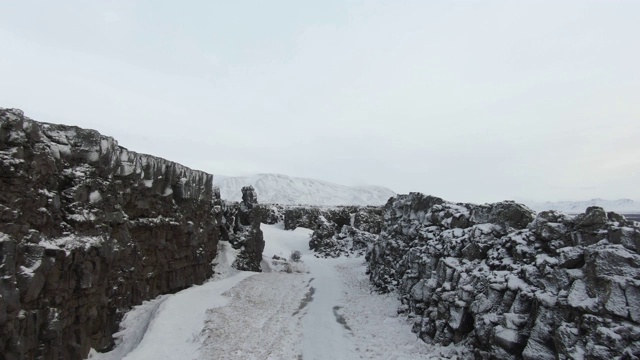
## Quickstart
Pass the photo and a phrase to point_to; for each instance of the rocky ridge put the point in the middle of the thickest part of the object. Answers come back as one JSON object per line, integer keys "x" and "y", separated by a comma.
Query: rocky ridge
{"x": 89, "y": 229}
{"x": 511, "y": 284}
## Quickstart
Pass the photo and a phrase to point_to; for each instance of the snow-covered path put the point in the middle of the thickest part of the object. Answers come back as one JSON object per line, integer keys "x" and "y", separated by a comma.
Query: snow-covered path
{"x": 325, "y": 335}
{"x": 325, "y": 311}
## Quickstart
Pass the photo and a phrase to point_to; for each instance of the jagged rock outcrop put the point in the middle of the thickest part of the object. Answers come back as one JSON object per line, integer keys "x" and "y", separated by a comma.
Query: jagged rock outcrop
{"x": 271, "y": 213}
{"x": 511, "y": 285}
{"x": 240, "y": 225}
{"x": 367, "y": 218}
{"x": 87, "y": 230}
{"x": 345, "y": 230}
{"x": 330, "y": 241}
{"x": 298, "y": 216}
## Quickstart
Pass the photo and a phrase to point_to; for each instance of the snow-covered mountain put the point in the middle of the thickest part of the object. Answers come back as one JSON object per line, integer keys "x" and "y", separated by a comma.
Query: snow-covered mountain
{"x": 623, "y": 206}
{"x": 283, "y": 189}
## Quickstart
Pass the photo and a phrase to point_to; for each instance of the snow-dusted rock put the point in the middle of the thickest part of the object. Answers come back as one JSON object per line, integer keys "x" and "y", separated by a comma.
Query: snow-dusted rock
{"x": 239, "y": 223}
{"x": 343, "y": 230}
{"x": 271, "y": 213}
{"x": 510, "y": 284}
{"x": 87, "y": 230}
{"x": 328, "y": 240}
{"x": 366, "y": 218}
{"x": 249, "y": 196}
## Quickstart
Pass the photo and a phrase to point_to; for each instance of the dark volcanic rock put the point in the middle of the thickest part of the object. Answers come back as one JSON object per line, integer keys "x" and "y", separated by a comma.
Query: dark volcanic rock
{"x": 345, "y": 230}
{"x": 250, "y": 240}
{"x": 365, "y": 218}
{"x": 249, "y": 196}
{"x": 239, "y": 224}
{"x": 327, "y": 241}
{"x": 298, "y": 216}
{"x": 271, "y": 213}
{"x": 87, "y": 230}
{"x": 511, "y": 286}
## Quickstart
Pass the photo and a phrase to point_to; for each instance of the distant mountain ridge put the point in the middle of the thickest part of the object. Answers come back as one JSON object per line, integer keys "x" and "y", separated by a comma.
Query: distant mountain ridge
{"x": 288, "y": 190}
{"x": 623, "y": 206}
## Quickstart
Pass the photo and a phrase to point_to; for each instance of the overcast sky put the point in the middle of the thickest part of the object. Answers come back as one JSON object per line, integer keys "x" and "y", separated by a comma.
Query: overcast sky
{"x": 467, "y": 100}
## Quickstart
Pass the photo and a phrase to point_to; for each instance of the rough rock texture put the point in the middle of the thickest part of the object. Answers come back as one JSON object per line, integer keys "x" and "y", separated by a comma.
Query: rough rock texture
{"x": 299, "y": 216}
{"x": 271, "y": 213}
{"x": 367, "y": 218}
{"x": 511, "y": 285}
{"x": 346, "y": 230}
{"x": 239, "y": 223}
{"x": 87, "y": 230}
{"x": 330, "y": 241}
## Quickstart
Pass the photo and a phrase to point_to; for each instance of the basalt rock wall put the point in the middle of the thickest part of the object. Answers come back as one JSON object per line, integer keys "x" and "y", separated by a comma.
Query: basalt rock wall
{"x": 511, "y": 284}
{"x": 87, "y": 230}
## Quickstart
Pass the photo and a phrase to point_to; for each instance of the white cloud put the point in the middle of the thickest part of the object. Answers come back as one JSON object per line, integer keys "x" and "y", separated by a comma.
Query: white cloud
{"x": 111, "y": 17}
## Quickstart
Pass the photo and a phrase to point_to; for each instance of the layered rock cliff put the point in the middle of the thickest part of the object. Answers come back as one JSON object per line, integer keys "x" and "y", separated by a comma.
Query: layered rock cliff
{"x": 88, "y": 229}
{"x": 510, "y": 284}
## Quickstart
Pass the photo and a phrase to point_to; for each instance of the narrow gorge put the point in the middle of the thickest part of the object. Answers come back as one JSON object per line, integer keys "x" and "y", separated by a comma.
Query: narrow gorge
{"x": 89, "y": 229}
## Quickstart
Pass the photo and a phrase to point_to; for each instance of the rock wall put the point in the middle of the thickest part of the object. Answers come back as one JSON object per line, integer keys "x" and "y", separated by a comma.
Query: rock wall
{"x": 87, "y": 230}
{"x": 509, "y": 284}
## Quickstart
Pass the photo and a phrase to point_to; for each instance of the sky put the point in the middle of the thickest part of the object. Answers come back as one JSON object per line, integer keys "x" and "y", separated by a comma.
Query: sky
{"x": 467, "y": 100}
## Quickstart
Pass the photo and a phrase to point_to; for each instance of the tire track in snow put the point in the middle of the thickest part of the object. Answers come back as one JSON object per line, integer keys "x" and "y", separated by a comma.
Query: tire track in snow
{"x": 324, "y": 336}
{"x": 308, "y": 297}
{"x": 339, "y": 318}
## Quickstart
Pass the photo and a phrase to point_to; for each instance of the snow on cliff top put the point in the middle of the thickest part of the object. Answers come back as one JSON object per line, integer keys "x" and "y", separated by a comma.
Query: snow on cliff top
{"x": 283, "y": 189}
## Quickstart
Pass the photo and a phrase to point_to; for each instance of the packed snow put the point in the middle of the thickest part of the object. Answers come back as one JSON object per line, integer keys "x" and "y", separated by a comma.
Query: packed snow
{"x": 322, "y": 309}
{"x": 286, "y": 190}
